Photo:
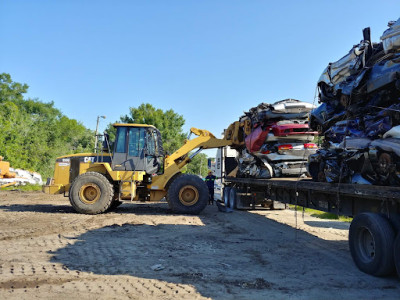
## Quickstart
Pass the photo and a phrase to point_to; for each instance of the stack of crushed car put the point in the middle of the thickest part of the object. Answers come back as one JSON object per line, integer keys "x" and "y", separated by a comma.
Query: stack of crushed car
{"x": 279, "y": 140}
{"x": 359, "y": 115}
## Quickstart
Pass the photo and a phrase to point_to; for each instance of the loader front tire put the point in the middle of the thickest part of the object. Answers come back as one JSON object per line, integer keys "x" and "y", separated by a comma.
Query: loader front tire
{"x": 91, "y": 193}
{"x": 188, "y": 194}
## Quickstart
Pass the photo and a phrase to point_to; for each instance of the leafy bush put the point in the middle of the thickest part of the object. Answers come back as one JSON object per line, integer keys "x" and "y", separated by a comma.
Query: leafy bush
{"x": 33, "y": 133}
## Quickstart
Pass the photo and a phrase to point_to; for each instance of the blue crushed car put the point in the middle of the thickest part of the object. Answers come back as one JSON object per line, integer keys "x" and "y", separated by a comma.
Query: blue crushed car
{"x": 359, "y": 98}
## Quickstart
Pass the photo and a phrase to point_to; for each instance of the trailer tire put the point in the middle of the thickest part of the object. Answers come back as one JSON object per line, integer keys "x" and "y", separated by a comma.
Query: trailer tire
{"x": 233, "y": 198}
{"x": 394, "y": 220}
{"x": 188, "y": 194}
{"x": 396, "y": 253}
{"x": 226, "y": 195}
{"x": 371, "y": 239}
{"x": 91, "y": 193}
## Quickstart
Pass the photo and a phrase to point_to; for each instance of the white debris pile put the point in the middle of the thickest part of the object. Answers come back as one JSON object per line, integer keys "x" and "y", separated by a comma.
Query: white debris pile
{"x": 22, "y": 177}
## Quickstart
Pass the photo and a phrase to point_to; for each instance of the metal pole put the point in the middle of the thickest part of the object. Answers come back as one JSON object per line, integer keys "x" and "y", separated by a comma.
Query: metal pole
{"x": 95, "y": 135}
{"x": 97, "y": 127}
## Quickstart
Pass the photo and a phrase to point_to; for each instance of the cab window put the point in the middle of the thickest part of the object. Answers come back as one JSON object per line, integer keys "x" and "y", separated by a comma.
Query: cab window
{"x": 151, "y": 143}
{"x": 121, "y": 140}
{"x": 136, "y": 141}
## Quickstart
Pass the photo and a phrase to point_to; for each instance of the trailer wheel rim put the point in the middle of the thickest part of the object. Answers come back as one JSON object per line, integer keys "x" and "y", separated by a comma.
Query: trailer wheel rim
{"x": 188, "y": 195}
{"x": 366, "y": 244}
{"x": 89, "y": 193}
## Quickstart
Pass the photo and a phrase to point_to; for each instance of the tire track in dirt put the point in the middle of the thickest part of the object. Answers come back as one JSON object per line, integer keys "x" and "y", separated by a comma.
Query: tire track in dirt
{"x": 27, "y": 273}
{"x": 48, "y": 252}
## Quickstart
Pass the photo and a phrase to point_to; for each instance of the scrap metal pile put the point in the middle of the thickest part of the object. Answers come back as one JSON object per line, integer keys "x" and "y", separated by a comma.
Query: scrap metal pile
{"x": 279, "y": 140}
{"x": 359, "y": 115}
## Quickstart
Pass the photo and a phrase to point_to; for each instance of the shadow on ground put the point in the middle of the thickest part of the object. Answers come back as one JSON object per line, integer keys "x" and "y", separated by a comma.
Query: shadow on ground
{"x": 125, "y": 208}
{"x": 41, "y": 208}
{"x": 230, "y": 257}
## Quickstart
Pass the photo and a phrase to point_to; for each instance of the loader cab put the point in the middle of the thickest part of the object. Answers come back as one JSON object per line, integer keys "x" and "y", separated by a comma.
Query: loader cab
{"x": 138, "y": 147}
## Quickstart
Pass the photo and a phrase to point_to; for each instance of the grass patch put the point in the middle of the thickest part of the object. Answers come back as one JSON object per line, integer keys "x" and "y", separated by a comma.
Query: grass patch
{"x": 25, "y": 188}
{"x": 321, "y": 214}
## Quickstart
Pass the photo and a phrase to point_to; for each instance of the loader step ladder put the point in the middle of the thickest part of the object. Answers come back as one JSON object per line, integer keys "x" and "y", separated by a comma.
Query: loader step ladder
{"x": 131, "y": 190}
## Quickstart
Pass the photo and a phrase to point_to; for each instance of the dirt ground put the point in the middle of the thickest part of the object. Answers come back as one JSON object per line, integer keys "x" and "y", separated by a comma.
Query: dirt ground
{"x": 142, "y": 251}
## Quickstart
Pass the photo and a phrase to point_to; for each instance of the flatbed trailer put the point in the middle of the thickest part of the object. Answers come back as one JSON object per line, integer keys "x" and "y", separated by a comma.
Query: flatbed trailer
{"x": 374, "y": 234}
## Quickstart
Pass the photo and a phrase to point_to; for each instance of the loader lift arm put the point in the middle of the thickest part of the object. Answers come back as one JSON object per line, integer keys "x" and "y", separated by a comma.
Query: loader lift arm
{"x": 204, "y": 140}
{"x": 180, "y": 158}
{"x": 233, "y": 136}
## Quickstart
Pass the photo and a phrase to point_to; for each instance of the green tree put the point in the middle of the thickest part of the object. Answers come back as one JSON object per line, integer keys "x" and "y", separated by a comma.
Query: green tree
{"x": 33, "y": 133}
{"x": 9, "y": 90}
{"x": 198, "y": 165}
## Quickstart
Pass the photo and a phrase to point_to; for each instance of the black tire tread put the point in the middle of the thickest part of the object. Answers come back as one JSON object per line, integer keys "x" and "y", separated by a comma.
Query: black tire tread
{"x": 173, "y": 194}
{"x": 233, "y": 200}
{"x": 383, "y": 233}
{"x": 396, "y": 253}
{"x": 88, "y": 209}
{"x": 226, "y": 195}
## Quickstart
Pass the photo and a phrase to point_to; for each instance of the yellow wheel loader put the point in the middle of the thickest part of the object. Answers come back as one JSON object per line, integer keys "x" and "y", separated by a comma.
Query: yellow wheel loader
{"x": 134, "y": 167}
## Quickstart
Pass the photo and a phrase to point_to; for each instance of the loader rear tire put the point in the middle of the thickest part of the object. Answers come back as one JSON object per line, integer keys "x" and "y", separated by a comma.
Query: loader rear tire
{"x": 371, "y": 240}
{"x": 91, "y": 193}
{"x": 188, "y": 194}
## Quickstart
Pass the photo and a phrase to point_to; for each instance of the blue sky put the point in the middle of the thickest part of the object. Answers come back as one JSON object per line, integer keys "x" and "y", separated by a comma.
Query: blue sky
{"x": 207, "y": 60}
